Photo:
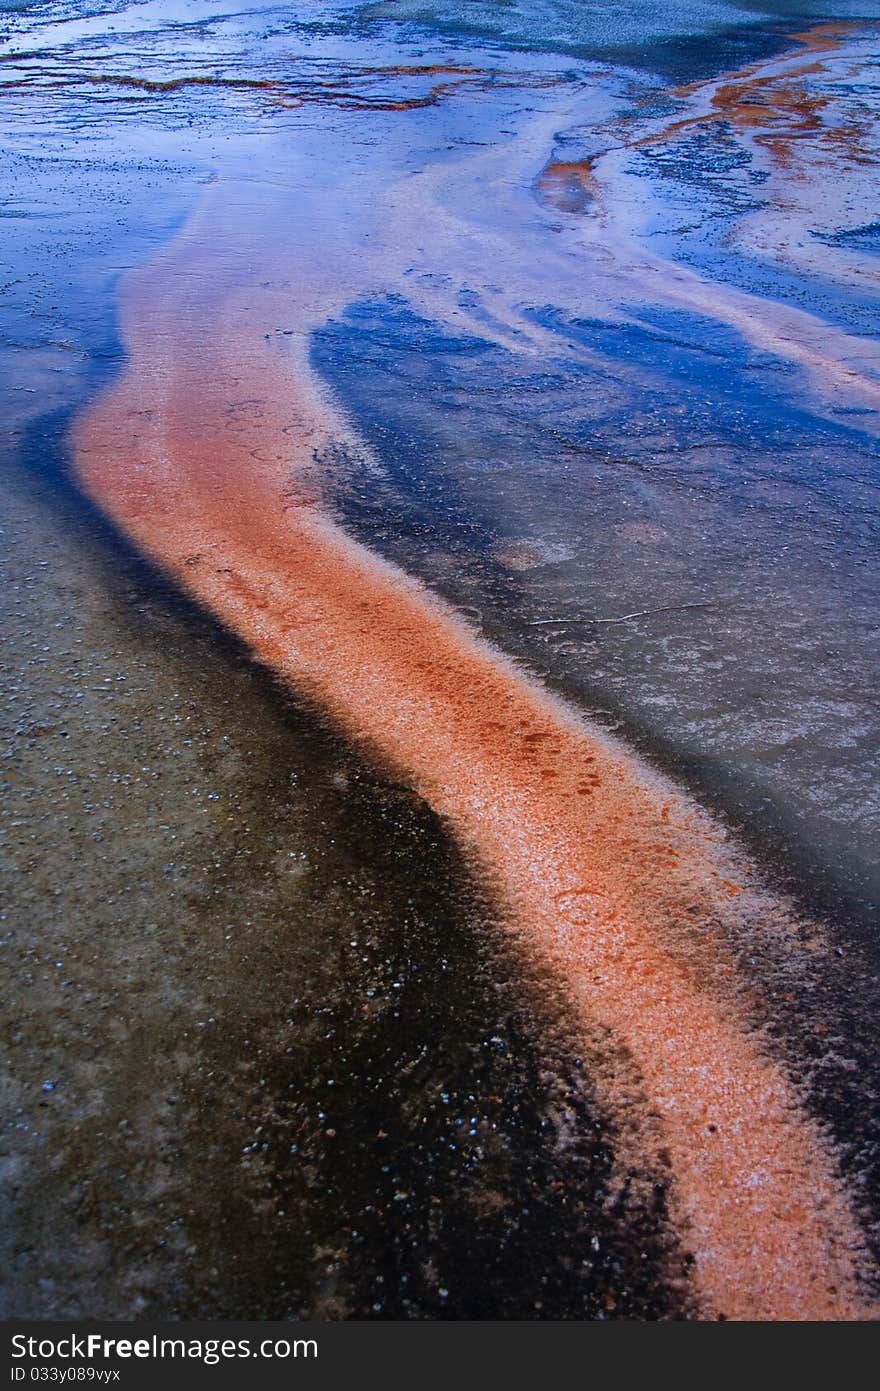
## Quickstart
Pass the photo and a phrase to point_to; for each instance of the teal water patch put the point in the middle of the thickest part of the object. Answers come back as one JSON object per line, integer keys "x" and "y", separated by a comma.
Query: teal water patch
{"x": 680, "y": 41}
{"x": 566, "y": 26}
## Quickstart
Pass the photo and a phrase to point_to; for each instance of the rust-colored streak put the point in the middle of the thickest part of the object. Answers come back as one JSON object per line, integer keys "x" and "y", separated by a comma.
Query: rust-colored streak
{"x": 567, "y": 185}
{"x": 350, "y": 89}
{"x": 202, "y": 454}
{"x": 774, "y": 102}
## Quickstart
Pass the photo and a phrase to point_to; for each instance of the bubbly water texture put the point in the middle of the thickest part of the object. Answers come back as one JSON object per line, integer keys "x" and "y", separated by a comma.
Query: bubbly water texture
{"x": 567, "y": 25}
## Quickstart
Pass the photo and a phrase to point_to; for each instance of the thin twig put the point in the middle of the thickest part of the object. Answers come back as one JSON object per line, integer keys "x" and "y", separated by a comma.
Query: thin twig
{"x": 624, "y": 618}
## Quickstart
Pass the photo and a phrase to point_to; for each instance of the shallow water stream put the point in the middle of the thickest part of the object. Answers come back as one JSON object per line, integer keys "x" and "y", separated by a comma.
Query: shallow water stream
{"x": 600, "y": 357}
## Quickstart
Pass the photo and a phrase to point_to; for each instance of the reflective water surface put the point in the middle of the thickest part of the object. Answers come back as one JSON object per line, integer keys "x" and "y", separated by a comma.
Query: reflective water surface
{"x": 582, "y": 303}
